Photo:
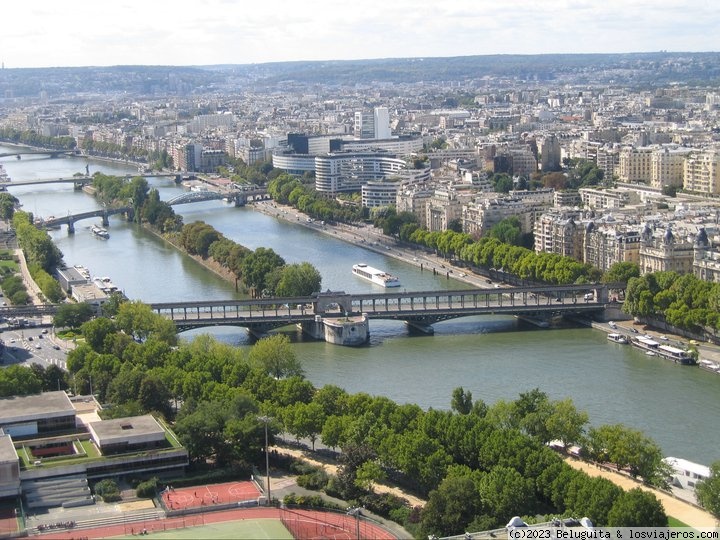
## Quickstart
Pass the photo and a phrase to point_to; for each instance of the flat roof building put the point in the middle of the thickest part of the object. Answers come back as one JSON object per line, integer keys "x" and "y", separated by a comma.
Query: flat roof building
{"x": 22, "y": 416}
{"x": 127, "y": 434}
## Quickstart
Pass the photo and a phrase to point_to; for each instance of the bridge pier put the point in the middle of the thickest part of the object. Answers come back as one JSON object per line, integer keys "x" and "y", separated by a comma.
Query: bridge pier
{"x": 105, "y": 219}
{"x": 420, "y": 327}
{"x": 71, "y": 227}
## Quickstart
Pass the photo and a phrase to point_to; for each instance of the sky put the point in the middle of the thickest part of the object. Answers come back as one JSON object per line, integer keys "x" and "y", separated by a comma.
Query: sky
{"x": 53, "y": 33}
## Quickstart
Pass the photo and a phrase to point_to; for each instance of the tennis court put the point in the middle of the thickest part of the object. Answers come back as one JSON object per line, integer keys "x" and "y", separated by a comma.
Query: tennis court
{"x": 208, "y": 496}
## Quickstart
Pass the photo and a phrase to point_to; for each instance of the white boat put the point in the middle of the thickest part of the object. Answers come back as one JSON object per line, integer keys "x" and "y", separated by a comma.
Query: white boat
{"x": 654, "y": 348}
{"x": 618, "y": 338}
{"x": 100, "y": 232}
{"x": 3, "y": 175}
{"x": 378, "y": 277}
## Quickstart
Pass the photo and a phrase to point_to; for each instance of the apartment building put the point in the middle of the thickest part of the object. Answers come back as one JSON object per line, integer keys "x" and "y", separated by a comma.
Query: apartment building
{"x": 560, "y": 232}
{"x": 635, "y": 165}
{"x": 605, "y": 244}
{"x": 662, "y": 250}
{"x": 702, "y": 172}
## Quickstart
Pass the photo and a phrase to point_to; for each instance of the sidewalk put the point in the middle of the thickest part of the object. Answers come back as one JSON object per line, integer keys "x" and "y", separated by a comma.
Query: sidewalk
{"x": 685, "y": 512}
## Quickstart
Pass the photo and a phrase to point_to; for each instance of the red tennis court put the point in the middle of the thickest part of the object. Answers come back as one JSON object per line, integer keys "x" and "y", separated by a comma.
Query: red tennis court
{"x": 208, "y": 496}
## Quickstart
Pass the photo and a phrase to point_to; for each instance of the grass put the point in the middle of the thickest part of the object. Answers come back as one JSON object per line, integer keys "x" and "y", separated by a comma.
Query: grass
{"x": 674, "y": 522}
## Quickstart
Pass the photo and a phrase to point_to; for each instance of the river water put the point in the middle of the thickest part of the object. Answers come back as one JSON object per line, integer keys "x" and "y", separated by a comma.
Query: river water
{"x": 677, "y": 406}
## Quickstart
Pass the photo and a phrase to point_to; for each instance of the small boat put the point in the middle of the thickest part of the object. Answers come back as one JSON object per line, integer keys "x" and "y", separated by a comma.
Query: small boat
{"x": 650, "y": 353}
{"x": 100, "y": 232}
{"x": 618, "y": 338}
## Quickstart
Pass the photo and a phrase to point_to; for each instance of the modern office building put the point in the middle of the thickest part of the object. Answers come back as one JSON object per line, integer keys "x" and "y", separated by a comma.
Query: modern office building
{"x": 51, "y": 444}
{"x": 349, "y": 171}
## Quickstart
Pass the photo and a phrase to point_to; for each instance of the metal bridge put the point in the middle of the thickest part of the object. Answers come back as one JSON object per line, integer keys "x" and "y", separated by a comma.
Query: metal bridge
{"x": 240, "y": 198}
{"x": 77, "y": 181}
{"x": 49, "y": 153}
{"x": 70, "y": 219}
{"x": 419, "y": 310}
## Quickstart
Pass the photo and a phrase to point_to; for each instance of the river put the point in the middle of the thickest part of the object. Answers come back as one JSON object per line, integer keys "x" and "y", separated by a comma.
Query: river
{"x": 676, "y": 406}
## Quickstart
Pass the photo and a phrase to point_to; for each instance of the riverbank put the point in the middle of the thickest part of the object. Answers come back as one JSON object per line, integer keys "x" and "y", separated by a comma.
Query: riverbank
{"x": 209, "y": 264}
{"x": 373, "y": 239}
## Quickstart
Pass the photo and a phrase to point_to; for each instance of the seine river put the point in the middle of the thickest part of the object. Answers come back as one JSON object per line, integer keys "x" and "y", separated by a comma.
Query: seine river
{"x": 677, "y": 406}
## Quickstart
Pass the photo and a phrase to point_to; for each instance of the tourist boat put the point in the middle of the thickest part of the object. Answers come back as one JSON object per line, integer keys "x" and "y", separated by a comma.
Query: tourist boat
{"x": 379, "y": 277}
{"x": 618, "y": 338}
{"x": 654, "y": 348}
{"x": 100, "y": 232}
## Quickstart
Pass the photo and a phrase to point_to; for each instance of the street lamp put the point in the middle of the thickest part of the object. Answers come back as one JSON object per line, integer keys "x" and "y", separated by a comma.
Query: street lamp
{"x": 357, "y": 512}
{"x": 266, "y": 419}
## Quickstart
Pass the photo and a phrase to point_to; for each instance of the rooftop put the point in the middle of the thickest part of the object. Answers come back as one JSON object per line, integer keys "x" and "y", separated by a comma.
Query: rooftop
{"x": 36, "y": 406}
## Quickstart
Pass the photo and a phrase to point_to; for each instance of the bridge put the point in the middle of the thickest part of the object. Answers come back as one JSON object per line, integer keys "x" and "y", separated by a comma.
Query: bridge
{"x": 333, "y": 315}
{"x": 70, "y": 219}
{"x": 327, "y": 314}
{"x": 50, "y": 153}
{"x": 240, "y": 198}
{"x": 77, "y": 181}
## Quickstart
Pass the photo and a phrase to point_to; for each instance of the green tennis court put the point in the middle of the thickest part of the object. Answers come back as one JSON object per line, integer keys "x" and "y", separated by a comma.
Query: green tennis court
{"x": 246, "y": 528}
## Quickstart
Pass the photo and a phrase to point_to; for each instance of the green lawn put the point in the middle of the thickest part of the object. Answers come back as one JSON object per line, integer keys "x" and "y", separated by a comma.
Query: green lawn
{"x": 246, "y": 528}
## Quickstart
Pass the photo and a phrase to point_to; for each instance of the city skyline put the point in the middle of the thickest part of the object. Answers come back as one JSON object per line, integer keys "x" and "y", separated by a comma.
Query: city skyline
{"x": 127, "y": 32}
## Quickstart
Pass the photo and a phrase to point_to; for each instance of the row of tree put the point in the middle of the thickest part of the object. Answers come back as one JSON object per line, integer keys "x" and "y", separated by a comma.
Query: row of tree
{"x": 42, "y": 255}
{"x": 33, "y": 138}
{"x": 262, "y": 269}
{"x": 287, "y": 189}
{"x": 681, "y": 300}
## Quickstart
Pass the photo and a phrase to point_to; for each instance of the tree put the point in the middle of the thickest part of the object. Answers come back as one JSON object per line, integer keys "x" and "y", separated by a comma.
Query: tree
{"x": 637, "y": 508}
{"x": 155, "y": 396}
{"x": 566, "y": 423}
{"x": 72, "y": 315}
{"x": 257, "y": 265}
{"x": 304, "y": 420}
{"x": 96, "y": 331}
{"x": 368, "y": 474}
{"x": 708, "y": 491}
{"x": 461, "y": 400}
{"x": 621, "y": 272}
{"x": 451, "y": 507}
{"x": 276, "y": 357}
{"x": 298, "y": 280}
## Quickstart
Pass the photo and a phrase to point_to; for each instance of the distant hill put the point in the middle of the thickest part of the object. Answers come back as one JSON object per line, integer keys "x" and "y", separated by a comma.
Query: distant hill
{"x": 638, "y": 69}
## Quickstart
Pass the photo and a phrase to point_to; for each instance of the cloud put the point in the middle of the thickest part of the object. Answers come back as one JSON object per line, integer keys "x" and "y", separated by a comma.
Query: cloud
{"x": 88, "y": 32}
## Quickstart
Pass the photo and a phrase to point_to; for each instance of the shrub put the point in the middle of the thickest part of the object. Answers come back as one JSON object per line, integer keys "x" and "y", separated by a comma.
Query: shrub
{"x": 315, "y": 480}
{"x": 147, "y": 489}
{"x": 108, "y": 490}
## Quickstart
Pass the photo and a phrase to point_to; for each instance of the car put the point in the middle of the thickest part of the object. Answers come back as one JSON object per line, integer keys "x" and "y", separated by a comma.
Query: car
{"x": 40, "y": 336}
{"x": 663, "y": 338}
{"x": 56, "y": 347}
{"x": 45, "y": 331}
{"x": 634, "y": 330}
{"x": 30, "y": 338}
{"x": 37, "y": 346}
{"x": 692, "y": 342}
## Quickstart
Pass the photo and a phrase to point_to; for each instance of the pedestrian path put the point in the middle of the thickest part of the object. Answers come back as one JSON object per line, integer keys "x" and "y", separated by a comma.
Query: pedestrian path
{"x": 684, "y": 511}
